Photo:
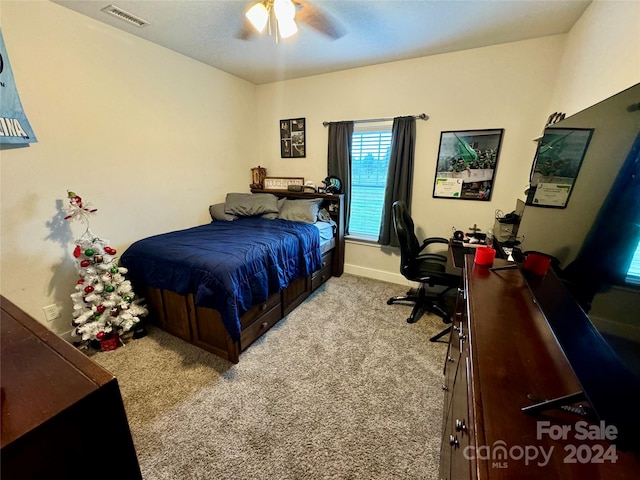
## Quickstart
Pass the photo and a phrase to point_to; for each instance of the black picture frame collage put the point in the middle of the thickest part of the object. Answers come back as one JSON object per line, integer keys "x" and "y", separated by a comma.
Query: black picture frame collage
{"x": 293, "y": 138}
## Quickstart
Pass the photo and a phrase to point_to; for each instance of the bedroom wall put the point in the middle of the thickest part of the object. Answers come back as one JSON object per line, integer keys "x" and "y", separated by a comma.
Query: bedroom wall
{"x": 505, "y": 86}
{"x": 601, "y": 56}
{"x": 136, "y": 129}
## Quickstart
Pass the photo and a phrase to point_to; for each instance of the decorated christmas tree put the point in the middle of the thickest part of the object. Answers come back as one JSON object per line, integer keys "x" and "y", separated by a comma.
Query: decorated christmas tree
{"x": 104, "y": 304}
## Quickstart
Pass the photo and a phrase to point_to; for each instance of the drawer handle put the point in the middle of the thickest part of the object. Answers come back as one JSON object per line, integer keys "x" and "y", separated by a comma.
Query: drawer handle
{"x": 463, "y": 337}
{"x": 323, "y": 277}
{"x": 324, "y": 264}
{"x": 445, "y": 388}
{"x": 263, "y": 325}
{"x": 453, "y": 441}
{"x": 263, "y": 307}
{"x": 456, "y": 329}
{"x": 449, "y": 359}
{"x": 460, "y": 425}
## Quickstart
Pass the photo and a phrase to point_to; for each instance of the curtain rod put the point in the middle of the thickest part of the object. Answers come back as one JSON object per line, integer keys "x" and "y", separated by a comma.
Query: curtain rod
{"x": 422, "y": 116}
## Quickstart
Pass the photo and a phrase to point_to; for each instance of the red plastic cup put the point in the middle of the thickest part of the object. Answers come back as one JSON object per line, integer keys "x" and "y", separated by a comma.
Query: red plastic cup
{"x": 484, "y": 256}
{"x": 537, "y": 263}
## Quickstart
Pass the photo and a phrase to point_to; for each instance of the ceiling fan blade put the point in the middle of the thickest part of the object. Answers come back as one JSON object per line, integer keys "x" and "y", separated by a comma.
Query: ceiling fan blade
{"x": 317, "y": 20}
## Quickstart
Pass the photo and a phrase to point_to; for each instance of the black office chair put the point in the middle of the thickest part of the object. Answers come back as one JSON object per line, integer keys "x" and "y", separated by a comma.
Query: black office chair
{"x": 429, "y": 269}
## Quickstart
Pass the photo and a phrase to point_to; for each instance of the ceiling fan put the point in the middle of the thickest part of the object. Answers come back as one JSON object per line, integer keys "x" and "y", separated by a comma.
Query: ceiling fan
{"x": 282, "y": 18}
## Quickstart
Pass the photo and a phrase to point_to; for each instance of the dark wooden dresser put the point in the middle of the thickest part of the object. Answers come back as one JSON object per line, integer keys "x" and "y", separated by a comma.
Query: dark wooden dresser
{"x": 62, "y": 414}
{"x": 501, "y": 350}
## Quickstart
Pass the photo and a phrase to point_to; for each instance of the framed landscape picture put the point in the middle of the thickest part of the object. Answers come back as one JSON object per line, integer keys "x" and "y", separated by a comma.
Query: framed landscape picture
{"x": 467, "y": 163}
{"x": 293, "y": 138}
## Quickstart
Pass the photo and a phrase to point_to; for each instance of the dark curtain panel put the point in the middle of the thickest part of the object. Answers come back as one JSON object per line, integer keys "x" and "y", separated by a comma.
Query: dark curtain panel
{"x": 400, "y": 175}
{"x": 339, "y": 160}
{"x": 608, "y": 249}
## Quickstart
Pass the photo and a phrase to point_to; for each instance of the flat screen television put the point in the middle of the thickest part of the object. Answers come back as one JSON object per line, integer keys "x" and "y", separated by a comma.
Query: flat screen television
{"x": 601, "y": 342}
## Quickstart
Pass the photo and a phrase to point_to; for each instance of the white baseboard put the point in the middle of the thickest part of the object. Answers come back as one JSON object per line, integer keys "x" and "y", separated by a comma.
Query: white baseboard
{"x": 376, "y": 274}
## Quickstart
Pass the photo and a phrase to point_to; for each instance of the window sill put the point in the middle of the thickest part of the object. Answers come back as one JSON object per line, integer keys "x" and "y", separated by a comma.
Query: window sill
{"x": 362, "y": 240}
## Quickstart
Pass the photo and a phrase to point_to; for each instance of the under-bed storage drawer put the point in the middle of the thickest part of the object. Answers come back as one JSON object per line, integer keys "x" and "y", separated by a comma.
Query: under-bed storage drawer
{"x": 258, "y": 310}
{"x": 258, "y": 319}
{"x": 261, "y": 324}
{"x": 322, "y": 275}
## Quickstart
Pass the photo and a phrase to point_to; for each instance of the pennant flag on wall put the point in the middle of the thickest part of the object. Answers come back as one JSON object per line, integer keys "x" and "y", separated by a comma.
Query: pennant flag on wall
{"x": 14, "y": 126}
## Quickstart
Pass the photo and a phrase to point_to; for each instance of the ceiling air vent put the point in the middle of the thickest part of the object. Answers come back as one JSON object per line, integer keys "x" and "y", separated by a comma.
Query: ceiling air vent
{"x": 125, "y": 16}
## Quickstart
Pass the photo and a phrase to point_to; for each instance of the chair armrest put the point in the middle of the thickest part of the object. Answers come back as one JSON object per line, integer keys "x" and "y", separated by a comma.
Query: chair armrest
{"x": 431, "y": 240}
{"x": 432, "y": 256}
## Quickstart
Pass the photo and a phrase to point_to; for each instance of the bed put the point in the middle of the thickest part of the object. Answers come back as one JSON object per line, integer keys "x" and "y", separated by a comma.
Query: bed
{"x": 222, "y": 285}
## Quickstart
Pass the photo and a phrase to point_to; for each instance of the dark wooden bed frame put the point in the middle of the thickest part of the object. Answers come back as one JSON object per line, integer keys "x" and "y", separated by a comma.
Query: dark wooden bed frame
{"x": 203, "y": 327}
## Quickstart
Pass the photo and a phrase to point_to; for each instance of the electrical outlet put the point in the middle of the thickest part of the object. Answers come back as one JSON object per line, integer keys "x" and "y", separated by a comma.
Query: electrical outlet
{"x": 51, "y": 312}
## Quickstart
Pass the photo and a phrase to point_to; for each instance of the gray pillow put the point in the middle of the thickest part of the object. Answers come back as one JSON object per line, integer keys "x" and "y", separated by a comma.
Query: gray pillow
{"x": 301, "y": 210}
{"x": 250, "y": 204}
{"x": 217, "y": 213}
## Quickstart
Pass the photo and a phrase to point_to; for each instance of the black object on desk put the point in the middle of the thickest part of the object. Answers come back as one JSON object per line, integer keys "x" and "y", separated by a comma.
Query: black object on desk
{"x": 459, "y": 249}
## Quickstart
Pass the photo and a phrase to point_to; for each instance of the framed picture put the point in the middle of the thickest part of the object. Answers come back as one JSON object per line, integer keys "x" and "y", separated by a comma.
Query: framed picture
{"x": 258, "y": 174}
{"x": 467, "y": 163}
{"x": 293, "y": 138}
{"x": 282, "y": 183}
{"x": 556, "y": 166}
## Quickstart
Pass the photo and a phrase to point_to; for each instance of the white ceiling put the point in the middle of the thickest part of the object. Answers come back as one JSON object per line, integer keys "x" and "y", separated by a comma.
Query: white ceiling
{"x": 376, "y": 31}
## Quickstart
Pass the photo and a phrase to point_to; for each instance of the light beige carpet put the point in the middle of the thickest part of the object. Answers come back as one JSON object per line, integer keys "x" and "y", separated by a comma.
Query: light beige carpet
{"x": 342, "y": 388}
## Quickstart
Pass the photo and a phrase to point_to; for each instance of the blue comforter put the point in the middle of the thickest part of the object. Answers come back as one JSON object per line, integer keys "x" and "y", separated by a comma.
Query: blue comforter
{"x": 229, "y": 266}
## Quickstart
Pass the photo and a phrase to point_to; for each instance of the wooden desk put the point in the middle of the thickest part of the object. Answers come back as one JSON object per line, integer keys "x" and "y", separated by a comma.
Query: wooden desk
{"x": 62, "y": 414}
{"x": 501, "y": 349}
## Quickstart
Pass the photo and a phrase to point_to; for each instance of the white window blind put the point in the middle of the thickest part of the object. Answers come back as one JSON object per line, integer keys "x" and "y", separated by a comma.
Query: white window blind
{"x": 371, "y": 146}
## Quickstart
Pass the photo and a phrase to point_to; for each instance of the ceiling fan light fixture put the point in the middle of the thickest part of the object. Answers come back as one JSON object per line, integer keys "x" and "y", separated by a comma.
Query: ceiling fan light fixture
{"x": 287, "y": 28}
{"x": 258, "y": 15}
{"x": 284, "y": 10}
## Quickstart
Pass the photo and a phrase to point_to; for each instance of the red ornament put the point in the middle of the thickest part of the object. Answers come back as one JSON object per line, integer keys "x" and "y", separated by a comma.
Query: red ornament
{"x": 88, "y": 289}
{"x": 101, "y": 308}
{"x": 110, "y": 251}
{"x": 81, "y": 281}
{"x": 100, "y": 335}
{"x": 77, "y": 251}
{"x": 85, "y": 263}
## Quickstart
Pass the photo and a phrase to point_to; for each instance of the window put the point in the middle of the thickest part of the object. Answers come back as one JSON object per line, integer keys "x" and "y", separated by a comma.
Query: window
{"x": 633, "y": 274}
{"x": 370, "y": 150}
